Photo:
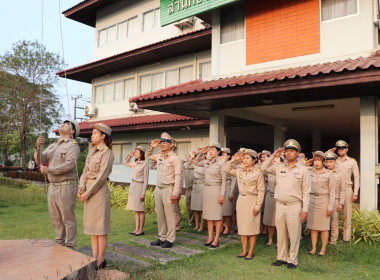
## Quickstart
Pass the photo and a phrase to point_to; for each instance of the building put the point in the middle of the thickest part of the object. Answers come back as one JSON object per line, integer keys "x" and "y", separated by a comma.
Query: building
{"x": 261, "y": 71}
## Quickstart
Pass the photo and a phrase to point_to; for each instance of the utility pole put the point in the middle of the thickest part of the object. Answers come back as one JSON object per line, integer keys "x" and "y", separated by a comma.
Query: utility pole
{"x": 75, "y": 105}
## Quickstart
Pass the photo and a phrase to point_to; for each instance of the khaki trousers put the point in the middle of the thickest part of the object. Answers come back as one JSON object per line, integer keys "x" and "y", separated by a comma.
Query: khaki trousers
{"x": 347, "y": 214}
{"x": 335, "y": 222}
{"x": 288, "y": 225}
{"x": 61, "y": 203}
{"x": 166, "y": 218}
{"x": 190, "y": 213}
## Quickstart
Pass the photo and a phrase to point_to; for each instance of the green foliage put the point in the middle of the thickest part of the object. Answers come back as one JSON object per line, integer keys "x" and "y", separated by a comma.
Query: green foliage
{"x": 36, "y": 188}
{"x": 365, "y": 226}
{"x": 82, "y": 158}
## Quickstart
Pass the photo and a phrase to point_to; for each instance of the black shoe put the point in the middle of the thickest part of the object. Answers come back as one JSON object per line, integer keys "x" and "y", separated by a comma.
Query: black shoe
{"x": 249, "y": 259}
{"x": 212, "y": 246}
{"x": 241, "y": 257}
{"x": 102, "y": 265}
{"x": 209, "y": 244}
{"x": 167, "y": 244}
{"x": 139, "y": 234}
{"x": 279, "y": 263}
{"x": 132, "y": 233}
{"x": 156, "y": 243}
{"x": 291, "y": 266}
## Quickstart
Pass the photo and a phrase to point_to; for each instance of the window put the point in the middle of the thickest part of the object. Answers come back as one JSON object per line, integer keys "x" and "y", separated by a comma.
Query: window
{"x": 171, "y": 78}
{"x": 232, "y": 24}
{"x": 98, "y": 98}
{"x": 102, "y": 40}
{"x": 119, "y": 90}
{"x": 108, "y": 92}
{"x": 129, "y": 88}
{"x": 151, "y": 82}
{"x": 332, "y": 9}
{"x": 205, "y": 70}
{"x": 127, "y": 28}
{"x": 185, "y": 74}
{"x": 151, "y": 19}
{"x": 120, "y": 152}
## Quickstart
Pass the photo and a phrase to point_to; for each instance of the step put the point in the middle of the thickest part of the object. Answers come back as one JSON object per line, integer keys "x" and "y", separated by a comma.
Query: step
{"x": 175, "y": 249}
{"x": 143, "y": 252}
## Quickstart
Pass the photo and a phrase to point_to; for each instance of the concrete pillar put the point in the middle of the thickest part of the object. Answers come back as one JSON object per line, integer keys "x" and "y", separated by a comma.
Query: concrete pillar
{"x": 368, "y": 153}
{"x": 217, "y": 132}
{"x": 279, "y": 135}
{"x": 316, "y": 135}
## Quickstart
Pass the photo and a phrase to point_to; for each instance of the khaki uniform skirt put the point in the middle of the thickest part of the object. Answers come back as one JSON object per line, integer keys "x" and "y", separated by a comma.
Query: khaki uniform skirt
{"x": 134, "y": 202}
{"x": 197, "y": 196}
{"x": 317, "y": 218}
{"x": 227, "y": 207}
{"x": 97, "y": 212}
{"x": 269, "y": 210}
{"x": 248, "y": 224}
{"x": 212, "y": 210}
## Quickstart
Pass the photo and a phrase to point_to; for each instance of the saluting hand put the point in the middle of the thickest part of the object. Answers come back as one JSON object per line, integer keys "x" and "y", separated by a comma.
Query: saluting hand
{"x": 278, "y": 152}
{"x": 204, "y": 150}
{"x": 238, "y": 156}
{"x": 309, "y": 162}
{"x": 155, "y": 143}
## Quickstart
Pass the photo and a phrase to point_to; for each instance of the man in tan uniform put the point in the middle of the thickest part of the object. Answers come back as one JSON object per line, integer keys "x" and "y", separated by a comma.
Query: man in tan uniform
{"x": 169, "y": 169}
{"x": 292, "y": 195}
{"x": 189, "y": 179}
{"x": 61, "y": 157}
{"x": 348, "y": 166}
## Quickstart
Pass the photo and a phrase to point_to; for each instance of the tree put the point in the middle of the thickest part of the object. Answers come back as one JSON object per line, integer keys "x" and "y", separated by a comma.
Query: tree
{"x": 27, "y": 89}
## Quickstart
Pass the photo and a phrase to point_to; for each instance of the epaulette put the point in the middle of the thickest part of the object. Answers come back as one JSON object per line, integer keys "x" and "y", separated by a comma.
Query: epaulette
{"x": 258, "y": 169}
{"x": 106, "y": 148}
{"x": 75, "y": 142}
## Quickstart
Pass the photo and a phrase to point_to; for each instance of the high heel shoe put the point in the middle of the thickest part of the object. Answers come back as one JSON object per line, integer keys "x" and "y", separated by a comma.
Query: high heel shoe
{"x": 209, "y": 244}
{"x": 102, "y": 265}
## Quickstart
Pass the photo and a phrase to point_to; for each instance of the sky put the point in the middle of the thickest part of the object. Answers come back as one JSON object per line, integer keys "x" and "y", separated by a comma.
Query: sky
{"x": 22, "y": 20}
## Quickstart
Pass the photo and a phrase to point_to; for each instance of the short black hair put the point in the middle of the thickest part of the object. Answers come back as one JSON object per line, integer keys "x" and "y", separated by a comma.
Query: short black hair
{"x": 72, "y": 126}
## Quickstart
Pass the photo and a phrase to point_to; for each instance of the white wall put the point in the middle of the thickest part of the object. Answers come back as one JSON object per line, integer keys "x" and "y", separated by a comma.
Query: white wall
{"x": 348, "y": 37}
{"x": 125, "y": 9}
{"x": 121, "y": 173}
{"x": 120, "y": 108}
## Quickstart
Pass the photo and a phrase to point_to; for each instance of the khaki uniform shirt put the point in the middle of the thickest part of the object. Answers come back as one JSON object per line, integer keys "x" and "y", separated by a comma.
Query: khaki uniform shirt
{"x": 189, "y": 173}
{"x": 340, "y": 186}
{"x": 214, "y": 172}
{"x": 62, "y": 157}
{"x": 97, "y": 169}
{"x": 323, "y": 184}
{"x": 349, "y": 166}
{"x": 249, "y": 181}
{"x": 140, "y": 173}
{"x": 292, "y": 184}
{"x": 169, "y": 169}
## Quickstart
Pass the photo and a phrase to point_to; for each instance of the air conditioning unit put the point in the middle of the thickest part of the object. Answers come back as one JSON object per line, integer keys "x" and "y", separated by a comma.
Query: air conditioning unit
{"x": 90, "y": 110}
{"x": 186, "y": 23}
{"x": 133, "y": 107}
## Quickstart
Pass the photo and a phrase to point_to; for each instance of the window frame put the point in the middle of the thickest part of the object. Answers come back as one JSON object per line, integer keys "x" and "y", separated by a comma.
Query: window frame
{"x": 220, "y": 25}
{"x": 338, "y": 18}
{"x": 155, "y": 12}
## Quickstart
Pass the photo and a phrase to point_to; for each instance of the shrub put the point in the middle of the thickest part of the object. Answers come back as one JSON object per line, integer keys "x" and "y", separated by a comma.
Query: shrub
{"x": 36, "y": 188}
{"x": 9, "y": 168}
{"x": 14, "y": 174}
{"x": 365, "y": 226}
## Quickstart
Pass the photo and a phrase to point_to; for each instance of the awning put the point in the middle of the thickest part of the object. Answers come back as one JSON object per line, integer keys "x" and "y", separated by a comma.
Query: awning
{"x": 85, "y": 11}
{"x": 192, "y": 42}
{"x": 332, "y": 80}
{"x": 145, "y": 123}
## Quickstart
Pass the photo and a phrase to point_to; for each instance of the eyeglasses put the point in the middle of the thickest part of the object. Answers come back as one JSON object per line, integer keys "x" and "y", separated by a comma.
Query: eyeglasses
{"x": 163, "y": 140}
{"x": 301, "y": 157}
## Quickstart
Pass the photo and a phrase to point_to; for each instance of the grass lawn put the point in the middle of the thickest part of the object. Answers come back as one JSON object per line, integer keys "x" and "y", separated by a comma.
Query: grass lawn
{"x": 24, "y": 215}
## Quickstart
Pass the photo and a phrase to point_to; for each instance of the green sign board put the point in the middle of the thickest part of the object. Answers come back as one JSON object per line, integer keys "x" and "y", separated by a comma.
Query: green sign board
{"x": 176, "y": 10}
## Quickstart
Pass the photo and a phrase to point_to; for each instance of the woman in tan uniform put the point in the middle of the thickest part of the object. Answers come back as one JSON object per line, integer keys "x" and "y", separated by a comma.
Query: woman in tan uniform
{"x": 322, "y": 198}
{"x": 227, "y": 209}
{"x": 95, "y": 194}
{"x": 137, "y": 189}
{"x": 270, "y": 205}
{"x": 213, "y": 193}
{"x": 251, "y": 195}
{"x": 197, "y": 194}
